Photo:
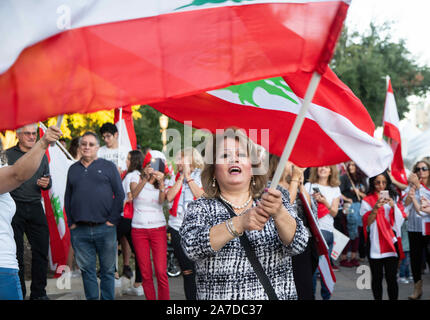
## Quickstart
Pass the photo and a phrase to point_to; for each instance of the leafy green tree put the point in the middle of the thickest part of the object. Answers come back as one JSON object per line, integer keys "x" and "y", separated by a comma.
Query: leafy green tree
{"x": 362, "y": 61}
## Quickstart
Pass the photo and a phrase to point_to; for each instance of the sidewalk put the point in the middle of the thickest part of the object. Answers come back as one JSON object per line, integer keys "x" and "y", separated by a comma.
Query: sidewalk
{"x": 345, "y": 289}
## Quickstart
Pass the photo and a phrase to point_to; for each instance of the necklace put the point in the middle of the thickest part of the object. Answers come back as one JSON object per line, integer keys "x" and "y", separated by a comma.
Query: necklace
{"x": 234, "y": 206}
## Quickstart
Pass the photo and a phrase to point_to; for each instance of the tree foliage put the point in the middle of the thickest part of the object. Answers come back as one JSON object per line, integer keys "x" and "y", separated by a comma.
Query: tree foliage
{"x": 362, "y": 61}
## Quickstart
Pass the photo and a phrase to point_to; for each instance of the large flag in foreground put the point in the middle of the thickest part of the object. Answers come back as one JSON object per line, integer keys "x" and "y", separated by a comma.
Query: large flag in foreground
{"x": 53, "y": 199}
{"x": 337, "y": 126}
{"x": 392, "y": 131}
{"x": 67, "y": 56}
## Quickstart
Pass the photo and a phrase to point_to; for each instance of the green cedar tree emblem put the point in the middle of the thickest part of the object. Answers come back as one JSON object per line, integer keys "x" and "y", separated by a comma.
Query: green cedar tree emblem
{"x": 56, "y": 207}
{"x": 274, "y": 86}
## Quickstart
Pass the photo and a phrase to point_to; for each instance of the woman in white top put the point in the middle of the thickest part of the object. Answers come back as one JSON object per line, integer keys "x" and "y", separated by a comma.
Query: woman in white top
{"x": 323, "y": 185}
{"x": 148, "y": 226}
{"x": 419, "y": 235}
{"x": 187, "y": 188}
{"x": 12, "y": 177}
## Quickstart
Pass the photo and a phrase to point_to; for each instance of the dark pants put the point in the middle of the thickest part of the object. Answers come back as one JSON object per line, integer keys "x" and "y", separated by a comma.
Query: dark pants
{"x": 361, "y": 243}
{"x": 377, "y": 268}
{"x": 304, "y": 267}
{"x": 185, "y": 264}
{"x": 124, "y": 230}
{"x": 31, "y": 220}
{"x": 418, "y": 245}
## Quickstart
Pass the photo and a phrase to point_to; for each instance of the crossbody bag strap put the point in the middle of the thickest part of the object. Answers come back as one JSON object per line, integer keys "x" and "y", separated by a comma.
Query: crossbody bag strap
{"x": 255, "y": 263}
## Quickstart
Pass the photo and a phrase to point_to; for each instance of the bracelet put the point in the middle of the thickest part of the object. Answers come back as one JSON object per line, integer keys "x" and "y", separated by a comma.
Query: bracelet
{"x": 295, "y": 180}
{"x": 233, "y": 230}
{"x": 227, "y": 225}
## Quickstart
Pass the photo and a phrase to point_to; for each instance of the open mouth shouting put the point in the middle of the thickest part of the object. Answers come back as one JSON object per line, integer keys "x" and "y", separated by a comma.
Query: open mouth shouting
{"x": 234, "y": 170}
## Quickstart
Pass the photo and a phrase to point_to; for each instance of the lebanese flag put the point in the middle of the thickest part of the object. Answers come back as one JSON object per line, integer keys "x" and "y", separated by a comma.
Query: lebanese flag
{"x": 391, "y": 130}
{"x": 385, "y": 231}
{"x": 53, "y": 199}
{"x": 67, "y": 56}
{"x": 337, "y": 127}
{"x": 324, "y": 264}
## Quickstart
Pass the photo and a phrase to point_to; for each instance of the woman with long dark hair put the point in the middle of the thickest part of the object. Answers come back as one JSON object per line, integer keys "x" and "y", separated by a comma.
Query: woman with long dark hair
{"x": 382, "y": 221}
{"x": 353, "y": 187}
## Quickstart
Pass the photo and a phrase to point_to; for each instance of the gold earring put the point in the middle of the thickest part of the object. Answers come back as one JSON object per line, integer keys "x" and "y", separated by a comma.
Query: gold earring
{"x": 253, "y": 181}
{"x": 213, "y": 182}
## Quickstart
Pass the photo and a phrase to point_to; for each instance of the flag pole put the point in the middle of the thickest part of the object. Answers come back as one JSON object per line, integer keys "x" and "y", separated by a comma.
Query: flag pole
{"x": 58, "y": 144}
{"x": 58, "y": 125}
{"x": 119, "y": 134}
{"x": 310, "y": 92}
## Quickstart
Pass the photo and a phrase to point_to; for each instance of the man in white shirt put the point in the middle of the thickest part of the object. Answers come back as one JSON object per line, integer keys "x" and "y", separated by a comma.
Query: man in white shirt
{"x": 109, "y": 151}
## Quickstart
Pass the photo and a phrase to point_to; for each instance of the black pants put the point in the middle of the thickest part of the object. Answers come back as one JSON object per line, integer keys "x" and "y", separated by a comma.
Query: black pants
{"x": 304, "y": 267}
{"x": 123, "y": 229}
{"x": 31, "y": 220}
{"x": 417, "y": 246}
{"x": 185, "y": 264}
{"x": 377, "y": 268}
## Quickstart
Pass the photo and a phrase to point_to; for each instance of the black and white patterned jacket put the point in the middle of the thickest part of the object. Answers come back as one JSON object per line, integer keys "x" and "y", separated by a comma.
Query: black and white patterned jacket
{"x": 226, "y": 274}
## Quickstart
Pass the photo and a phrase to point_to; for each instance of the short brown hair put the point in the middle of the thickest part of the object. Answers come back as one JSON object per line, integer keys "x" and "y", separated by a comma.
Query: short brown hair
{"x": 333, "y": 179}
{"x": 208, "y": 172}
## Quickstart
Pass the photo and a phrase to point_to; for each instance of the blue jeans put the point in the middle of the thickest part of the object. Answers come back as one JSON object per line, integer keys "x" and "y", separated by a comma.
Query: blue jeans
{"x": 325, "y": 293}
{"x": 10, "y": 285}
{"x": 404, "y": 271}
{"x": 88, "y": 242}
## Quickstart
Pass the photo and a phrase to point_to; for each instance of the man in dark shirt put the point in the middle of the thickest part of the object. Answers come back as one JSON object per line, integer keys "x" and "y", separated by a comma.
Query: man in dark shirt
{"x": 93, "y": 203}
{"x": 30, "y": 217}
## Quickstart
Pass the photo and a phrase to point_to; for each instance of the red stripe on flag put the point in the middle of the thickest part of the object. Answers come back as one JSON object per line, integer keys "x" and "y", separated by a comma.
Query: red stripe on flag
{"x": 147, "y": 60}
{"x": 391, "y": 131}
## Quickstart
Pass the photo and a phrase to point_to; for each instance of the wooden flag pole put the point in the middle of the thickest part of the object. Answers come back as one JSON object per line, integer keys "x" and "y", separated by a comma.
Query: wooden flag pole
{"x": 310, "y": 92}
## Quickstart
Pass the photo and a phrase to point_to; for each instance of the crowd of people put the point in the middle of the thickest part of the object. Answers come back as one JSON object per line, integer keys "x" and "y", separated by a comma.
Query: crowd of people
{"x": 233, "y": 235}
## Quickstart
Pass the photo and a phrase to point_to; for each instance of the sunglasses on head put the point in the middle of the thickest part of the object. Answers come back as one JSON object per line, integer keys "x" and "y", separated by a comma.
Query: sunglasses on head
{"x": 424, "y": 169}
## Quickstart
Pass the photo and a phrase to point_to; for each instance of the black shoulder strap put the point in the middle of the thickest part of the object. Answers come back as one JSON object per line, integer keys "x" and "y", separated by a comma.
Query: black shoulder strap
{"x": 255, "y": 263}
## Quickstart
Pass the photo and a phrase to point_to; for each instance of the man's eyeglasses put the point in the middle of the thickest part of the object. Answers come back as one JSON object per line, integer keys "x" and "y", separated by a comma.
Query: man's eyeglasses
{"x": 28, "y": 134}
{"x": 91, "y": 144}
{"x": 424, "y": 169}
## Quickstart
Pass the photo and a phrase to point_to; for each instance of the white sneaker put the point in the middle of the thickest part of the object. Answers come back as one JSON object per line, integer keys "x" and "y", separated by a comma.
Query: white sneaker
{"x": 133, "y": 291}
{"x": 76, "y": 273}
{"x": 403, "y": 280}
{"x": 118, "y": 283}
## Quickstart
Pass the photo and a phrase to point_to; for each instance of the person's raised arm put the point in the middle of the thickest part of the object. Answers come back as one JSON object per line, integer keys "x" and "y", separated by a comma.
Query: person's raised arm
{"x": 24, "y": 168}
{"x": 173, "y": 191}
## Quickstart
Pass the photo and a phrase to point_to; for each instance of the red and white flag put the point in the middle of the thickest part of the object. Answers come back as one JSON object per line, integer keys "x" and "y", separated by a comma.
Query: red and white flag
{"x": 123, "y": 120}
{"x": 391, "y": 131}
{"x": 53, "y": 200}
{"x": 383, "y": 233}
{"x": 67, "y": 56}
{"x": 337, "y": 127}
{"x": 324, "y": 264}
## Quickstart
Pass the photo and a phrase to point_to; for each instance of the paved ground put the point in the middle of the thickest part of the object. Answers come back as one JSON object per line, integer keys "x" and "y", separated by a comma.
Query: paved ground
{"x": 349, "y": 280}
